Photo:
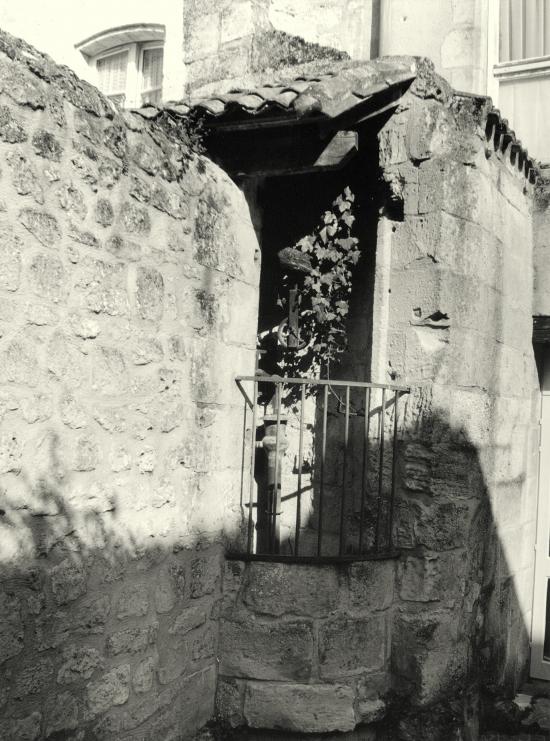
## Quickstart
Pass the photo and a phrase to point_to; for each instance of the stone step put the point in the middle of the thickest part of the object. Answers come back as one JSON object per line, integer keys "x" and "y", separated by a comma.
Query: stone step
{"x": 249, "y": 734}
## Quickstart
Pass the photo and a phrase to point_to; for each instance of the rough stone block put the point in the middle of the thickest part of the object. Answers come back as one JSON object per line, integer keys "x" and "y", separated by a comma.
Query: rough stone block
{"x": 62, "y": 714}
{"x": 79, "y": 662}
{"x": 12, "y": 130}
{"x": 21, "y": 729}
{"x": 85, "y": 453}
{"x": 132, "y": 640}
{"x": 134, "y": 219}
{"x": 149, "y": 293}
{"x": 230, "y": 701}
{"x": 68, "y": 581}
{"x": 104, "y": 286}
{"x": 10, "y": 453}
{"x": 279, "y": 589}
{"x": 165, "y": 597}
{"x": 48, "y": 278}
{"x": 112, "y": 689}
{"x": 349, "y": 646}
{"x": 10, "y": 260}
{"x": 306, "y": 708}
{"x": 133, "y": 601}
{"x": 103, "y": 212}
{"x": 18, "y": 363}
{"x": 42, "y": 225}
{"x": 187, "y": 620}
{"x": 144, "y": 675}
{"x": 266, "y": 650}
{"x": 371, "y": 584}
{"x": 205, "y": 575}
{"x": 71, "y": 199}
{"x": 34, "y": 678}
{"x": 47, "y": 145}
{"x": 427, "y": 652}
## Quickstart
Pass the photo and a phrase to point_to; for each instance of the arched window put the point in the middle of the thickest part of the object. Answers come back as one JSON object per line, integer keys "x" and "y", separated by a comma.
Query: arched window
{"x": 128, "y": 63}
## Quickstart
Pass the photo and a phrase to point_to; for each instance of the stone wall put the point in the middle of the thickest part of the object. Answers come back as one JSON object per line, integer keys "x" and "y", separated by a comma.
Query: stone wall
{"x": 453, "y": 318}
{"x": 452, "y": 33}
{"x": 128, "y": 301}
{"x": 305, "y": 648}
{"x": 542, "y": 242}
{"x": 229, "y": 40}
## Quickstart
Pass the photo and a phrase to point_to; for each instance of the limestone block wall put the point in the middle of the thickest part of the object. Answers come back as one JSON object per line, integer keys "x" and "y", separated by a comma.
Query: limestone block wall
{"x": 128, "y": 301}
{"x": 305, "y": 648}
{"x": 349, "y": 25}
{"x": 542, "y": 241}
{"x": 454, "y": 35}
{"x": 218, "y": 38}
{"x": 453, "y": 318}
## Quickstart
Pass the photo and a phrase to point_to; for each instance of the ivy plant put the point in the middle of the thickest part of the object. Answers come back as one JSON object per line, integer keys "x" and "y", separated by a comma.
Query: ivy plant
{"x": 325, "y": 292}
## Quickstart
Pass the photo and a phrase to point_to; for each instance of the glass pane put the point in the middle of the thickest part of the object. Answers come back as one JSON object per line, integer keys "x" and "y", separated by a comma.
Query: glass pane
{"x": 112, "y": 72}
{"x": 504, "y": 27}
{"x": 523, "y": 29}
{"x": 152, "y": 69}
{"x": 119, "y": 100}
{"x": 152, "y": 96}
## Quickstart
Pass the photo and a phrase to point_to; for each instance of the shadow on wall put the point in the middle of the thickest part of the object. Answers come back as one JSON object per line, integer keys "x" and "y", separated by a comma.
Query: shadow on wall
{"x": 102, "y": 635}
{"x": 431, "y": 645}
{"x": 460, "y": 643}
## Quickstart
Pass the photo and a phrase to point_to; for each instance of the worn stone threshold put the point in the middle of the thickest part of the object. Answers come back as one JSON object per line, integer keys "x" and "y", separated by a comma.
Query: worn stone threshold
{"x": 321, "y": 560}
{"x": 364, "y": 733}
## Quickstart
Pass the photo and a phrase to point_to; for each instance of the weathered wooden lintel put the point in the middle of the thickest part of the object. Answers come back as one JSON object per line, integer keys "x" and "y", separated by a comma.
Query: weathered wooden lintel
{"x": 282, "y": 152}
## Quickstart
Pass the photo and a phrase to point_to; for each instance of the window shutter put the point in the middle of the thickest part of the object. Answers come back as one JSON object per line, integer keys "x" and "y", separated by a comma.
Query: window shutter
{"x": 524, "y": 29}
{"x": 112, "y": 72}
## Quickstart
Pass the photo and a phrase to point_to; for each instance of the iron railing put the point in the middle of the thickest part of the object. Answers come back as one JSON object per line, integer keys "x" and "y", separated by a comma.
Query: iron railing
{"x": 319, "y": 468}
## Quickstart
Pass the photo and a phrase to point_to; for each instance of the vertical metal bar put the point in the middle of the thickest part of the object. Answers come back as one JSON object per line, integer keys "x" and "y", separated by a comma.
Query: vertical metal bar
{"x": 365, "y": 468}
{"x": 243, "y": 453}
{"x": 252, "y": 467}
{"x": 276, "y": 489}
{"x": 342, "y": 543}
{"x": 322, "y": 477}
{"x": 380, "y": 469}
{"x": 300, "y": 456}
{"x": 393, "y": 471}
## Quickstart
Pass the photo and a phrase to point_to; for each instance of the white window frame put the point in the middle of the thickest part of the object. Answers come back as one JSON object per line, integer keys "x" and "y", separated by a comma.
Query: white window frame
{"x": 131, "y": 72}
{"x": 132, "y": 38}
{"x": 147, "y": 46}
{"x": 514, "y": 69}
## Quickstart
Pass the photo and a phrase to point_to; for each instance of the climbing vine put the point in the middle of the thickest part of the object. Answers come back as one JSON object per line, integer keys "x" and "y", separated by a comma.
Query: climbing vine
{"x": 331, "y": 252}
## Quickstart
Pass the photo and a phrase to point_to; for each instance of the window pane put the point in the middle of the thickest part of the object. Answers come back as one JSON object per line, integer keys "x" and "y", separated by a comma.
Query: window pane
{"x": 112, "y": 72}
{"x": 523, "y": 29}
{"x": 152, "y": 69}
{"x": 152, "y": 96}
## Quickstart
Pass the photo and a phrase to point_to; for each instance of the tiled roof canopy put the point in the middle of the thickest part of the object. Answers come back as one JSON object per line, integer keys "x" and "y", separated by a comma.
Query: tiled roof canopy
{"x": 312, "y": 94}
{"x": 337, "y": 94}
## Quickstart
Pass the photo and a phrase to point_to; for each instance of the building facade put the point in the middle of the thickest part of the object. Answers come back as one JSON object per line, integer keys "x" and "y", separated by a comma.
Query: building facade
{"x": 169, "y": 556}
{"x": 487, "y": 47}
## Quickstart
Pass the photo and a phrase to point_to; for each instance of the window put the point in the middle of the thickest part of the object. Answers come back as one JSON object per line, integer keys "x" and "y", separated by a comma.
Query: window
{"x": 132, "y": 76}
{"x": 112, "y": 72}
{"x": 151, "y": 75}
{"x": 524, "y": 29}
{"x": 128, "y": 63}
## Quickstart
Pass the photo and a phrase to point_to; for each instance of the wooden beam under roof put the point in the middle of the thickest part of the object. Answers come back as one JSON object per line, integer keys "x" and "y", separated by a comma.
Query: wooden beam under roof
{"x": 286, "y": 151}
